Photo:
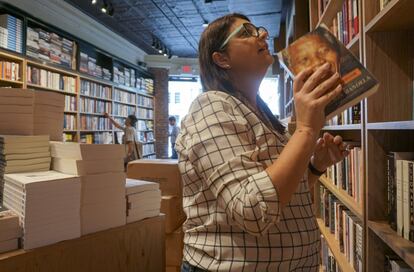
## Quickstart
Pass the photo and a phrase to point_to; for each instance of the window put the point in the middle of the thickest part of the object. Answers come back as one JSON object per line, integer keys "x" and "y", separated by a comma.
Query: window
{"x": 177, "y": 98}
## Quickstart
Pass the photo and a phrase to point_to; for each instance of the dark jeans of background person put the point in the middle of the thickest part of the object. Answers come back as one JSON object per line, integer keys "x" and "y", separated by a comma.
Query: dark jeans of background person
{"x": 174, "y": 153}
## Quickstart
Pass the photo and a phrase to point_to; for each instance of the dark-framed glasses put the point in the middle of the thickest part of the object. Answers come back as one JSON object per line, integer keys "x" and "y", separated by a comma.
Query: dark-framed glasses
{"x": 245, "y": 29}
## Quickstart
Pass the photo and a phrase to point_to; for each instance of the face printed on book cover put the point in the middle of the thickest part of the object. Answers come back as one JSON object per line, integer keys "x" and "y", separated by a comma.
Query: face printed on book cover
{"x": 312, "y": 51}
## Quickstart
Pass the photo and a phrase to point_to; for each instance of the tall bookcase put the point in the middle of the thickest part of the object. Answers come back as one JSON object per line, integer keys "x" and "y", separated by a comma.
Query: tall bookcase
{"x": 385, "y": 44}
{"x": 100, "y": 83}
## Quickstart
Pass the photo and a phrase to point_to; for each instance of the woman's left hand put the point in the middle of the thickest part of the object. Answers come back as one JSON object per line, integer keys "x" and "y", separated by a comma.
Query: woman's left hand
{"x": 329, "y": 150}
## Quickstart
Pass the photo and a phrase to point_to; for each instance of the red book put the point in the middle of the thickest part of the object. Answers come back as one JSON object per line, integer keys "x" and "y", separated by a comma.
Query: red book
{"x": 350, "y": 22}
{"x": 355, "y": 19}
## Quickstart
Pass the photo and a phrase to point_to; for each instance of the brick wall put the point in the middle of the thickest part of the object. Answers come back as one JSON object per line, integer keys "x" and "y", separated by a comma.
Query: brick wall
{"x": 161, "y": 111}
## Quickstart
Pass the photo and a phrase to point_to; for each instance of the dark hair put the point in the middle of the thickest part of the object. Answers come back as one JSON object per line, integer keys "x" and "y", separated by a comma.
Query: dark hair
{"x": 133, "y": 119}
{"x": 171, "y": 118}
{"x": 212, "y": 76}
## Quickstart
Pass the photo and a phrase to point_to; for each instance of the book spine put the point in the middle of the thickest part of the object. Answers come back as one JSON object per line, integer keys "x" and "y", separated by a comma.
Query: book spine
{"x": 411, "y": 200}
{"x": 406, "y": 201}
{"x": 399, "y": 187}
{"x": 391, "y": 193}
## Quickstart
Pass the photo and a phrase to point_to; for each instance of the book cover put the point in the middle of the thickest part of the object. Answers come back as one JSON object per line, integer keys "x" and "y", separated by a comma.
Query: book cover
{"x": 391, "y": 192}
{"x": 320, "y": 46}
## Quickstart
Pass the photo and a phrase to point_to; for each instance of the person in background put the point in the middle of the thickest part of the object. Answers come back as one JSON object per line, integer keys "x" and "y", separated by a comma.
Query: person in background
{"x": 129, "y": 137}
{"x": 246, "y": 181}
{"x": 174, "y": 131}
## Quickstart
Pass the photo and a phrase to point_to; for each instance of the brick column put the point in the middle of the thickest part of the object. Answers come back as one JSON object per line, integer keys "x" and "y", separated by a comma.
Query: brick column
{"x": 161, "y": 111}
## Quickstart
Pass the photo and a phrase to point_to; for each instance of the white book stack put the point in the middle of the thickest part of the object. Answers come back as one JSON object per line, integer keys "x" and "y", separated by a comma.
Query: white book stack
{"x": 28, "y": 112}
{"x": 47, "y": 204}
{"x": 10, "y": 231}
{"x": 143, "y": 199}
{"x": 101, "y": 170}
{"x": 23, "y": 154}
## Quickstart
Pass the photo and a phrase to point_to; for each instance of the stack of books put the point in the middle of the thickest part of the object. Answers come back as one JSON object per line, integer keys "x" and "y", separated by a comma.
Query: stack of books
{"x": 23, "y": 154}
{"x": 47, "y": 204}
{"x": 51, "y": 80}
{"x": 49, "y": 46}
{"x": 10, "y": 70}
{"x": 28, "y": 112}
{"x": 10, "y": 231}
{"x": 143, "y": 199}
{"x": 11, "y": 31}
{"x": 101, "y": 170}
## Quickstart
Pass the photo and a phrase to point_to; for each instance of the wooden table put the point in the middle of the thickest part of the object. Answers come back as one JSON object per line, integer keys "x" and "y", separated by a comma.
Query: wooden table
{"x": 139, "y": 246}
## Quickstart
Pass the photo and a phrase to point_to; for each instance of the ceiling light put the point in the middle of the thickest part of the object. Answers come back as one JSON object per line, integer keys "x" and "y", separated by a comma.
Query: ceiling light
{"x": 94, "y": 2}
{"x": 205, "y": 23}
{"x": 104, "y": 7}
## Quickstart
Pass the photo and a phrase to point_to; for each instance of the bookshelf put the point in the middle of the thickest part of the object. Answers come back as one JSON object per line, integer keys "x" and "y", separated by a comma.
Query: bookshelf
{"x": 385, "y": 44}
{"x": 51, "y": 59}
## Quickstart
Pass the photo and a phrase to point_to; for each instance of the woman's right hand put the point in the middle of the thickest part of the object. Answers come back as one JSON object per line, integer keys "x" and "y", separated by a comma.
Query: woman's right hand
{"x": 312, "y": 92}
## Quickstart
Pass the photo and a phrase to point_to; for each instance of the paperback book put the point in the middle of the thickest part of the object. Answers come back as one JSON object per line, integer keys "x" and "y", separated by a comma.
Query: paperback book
{"x": 321, "y": 46}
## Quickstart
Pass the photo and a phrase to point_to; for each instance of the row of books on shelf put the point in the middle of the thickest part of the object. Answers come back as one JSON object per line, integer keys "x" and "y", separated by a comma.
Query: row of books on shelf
{"x": 69, "y": 122}
{"x": 96, "y": 138}
{"x": 147, "y": 85}
{"x": 125, "y": 76}
{"x": 145, "y": 136}
{"x": 123, "y": 110}
{"x": 145, "y": 101}
{"x": 89, "y": 105}
{"x": 50, "y": 47}
{"x": 345, "y": 26}
{"x": 94, "y": 123}
{"x": 123, "y": 96}
{"x": 347, "y": 175}
{"x": 393, "y": 263}
{"x": 328, "y": 263}
{"x": 70, "y": 103}
{"x": 11, "y": 33}
{"x": 89, "y": 66}
{"x": 50, "y": 79}
{"x": 400, "y": 193}
{"x": 145, "y": 113}
{"x": 346, "y": 227}
{"x": 148, "y": 149}
{"x": 96, "y": 90}
{"x": 145, "y": 125}
{"x": 350, "y": 116}
{"x": 10, "y": 70}
{"x": 69, "y": 137}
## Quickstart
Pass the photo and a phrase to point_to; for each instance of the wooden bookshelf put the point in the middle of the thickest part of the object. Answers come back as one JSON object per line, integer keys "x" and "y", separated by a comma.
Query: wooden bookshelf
{"x": 346, "y": 199}
{"x": 125, "y": 103}
{"x": 49, "y": 89}
{"x": 343, "y": 127}
{"x": 401, "y": 246}
{"x": 96, "y": 97}
{"x": 330, "y": 11}
{"x": 333, "y": 245}
{"x": 397, "y": 15}
{"x": 11, "y": 82}
{"x": 385, "y": 45}
{"x": 401, "y": 125}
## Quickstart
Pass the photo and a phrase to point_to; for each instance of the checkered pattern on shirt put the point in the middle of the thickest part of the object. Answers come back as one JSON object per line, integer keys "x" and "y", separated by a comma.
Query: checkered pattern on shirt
{"x": 234, "y": 219}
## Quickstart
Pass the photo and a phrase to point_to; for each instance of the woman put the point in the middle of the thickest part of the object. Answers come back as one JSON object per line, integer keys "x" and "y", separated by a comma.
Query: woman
{"x": 246, "y": 187}
{"x": 129, "y": 137}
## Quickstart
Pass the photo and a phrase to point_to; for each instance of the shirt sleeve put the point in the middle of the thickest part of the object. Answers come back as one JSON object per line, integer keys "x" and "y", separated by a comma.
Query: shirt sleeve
{"x": 223, "y": 152}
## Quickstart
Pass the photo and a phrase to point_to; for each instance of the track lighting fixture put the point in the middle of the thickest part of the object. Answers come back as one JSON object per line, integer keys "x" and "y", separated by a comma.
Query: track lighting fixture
{"x": 94, "y": 2}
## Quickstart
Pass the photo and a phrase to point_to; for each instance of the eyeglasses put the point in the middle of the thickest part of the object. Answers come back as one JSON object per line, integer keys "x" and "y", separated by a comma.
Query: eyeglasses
{"x": 245, "y": 30}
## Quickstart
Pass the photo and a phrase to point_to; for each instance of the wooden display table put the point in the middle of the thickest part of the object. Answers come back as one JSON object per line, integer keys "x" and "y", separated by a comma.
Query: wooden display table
{"x": 139, "y": 246}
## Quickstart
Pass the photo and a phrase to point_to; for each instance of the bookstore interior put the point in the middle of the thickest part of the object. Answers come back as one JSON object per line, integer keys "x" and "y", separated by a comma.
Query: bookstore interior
{"x": 88, "y": 177}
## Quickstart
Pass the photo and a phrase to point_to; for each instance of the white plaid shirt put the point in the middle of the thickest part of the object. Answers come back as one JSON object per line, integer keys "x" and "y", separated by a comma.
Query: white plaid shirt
{"x": 234, "y": 219}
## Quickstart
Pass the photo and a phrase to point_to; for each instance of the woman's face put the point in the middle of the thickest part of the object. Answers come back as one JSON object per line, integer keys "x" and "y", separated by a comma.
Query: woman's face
{"x": 312, "y": 52}
{"x": 127, "y": 122}
{"x": 247, "y": 54}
